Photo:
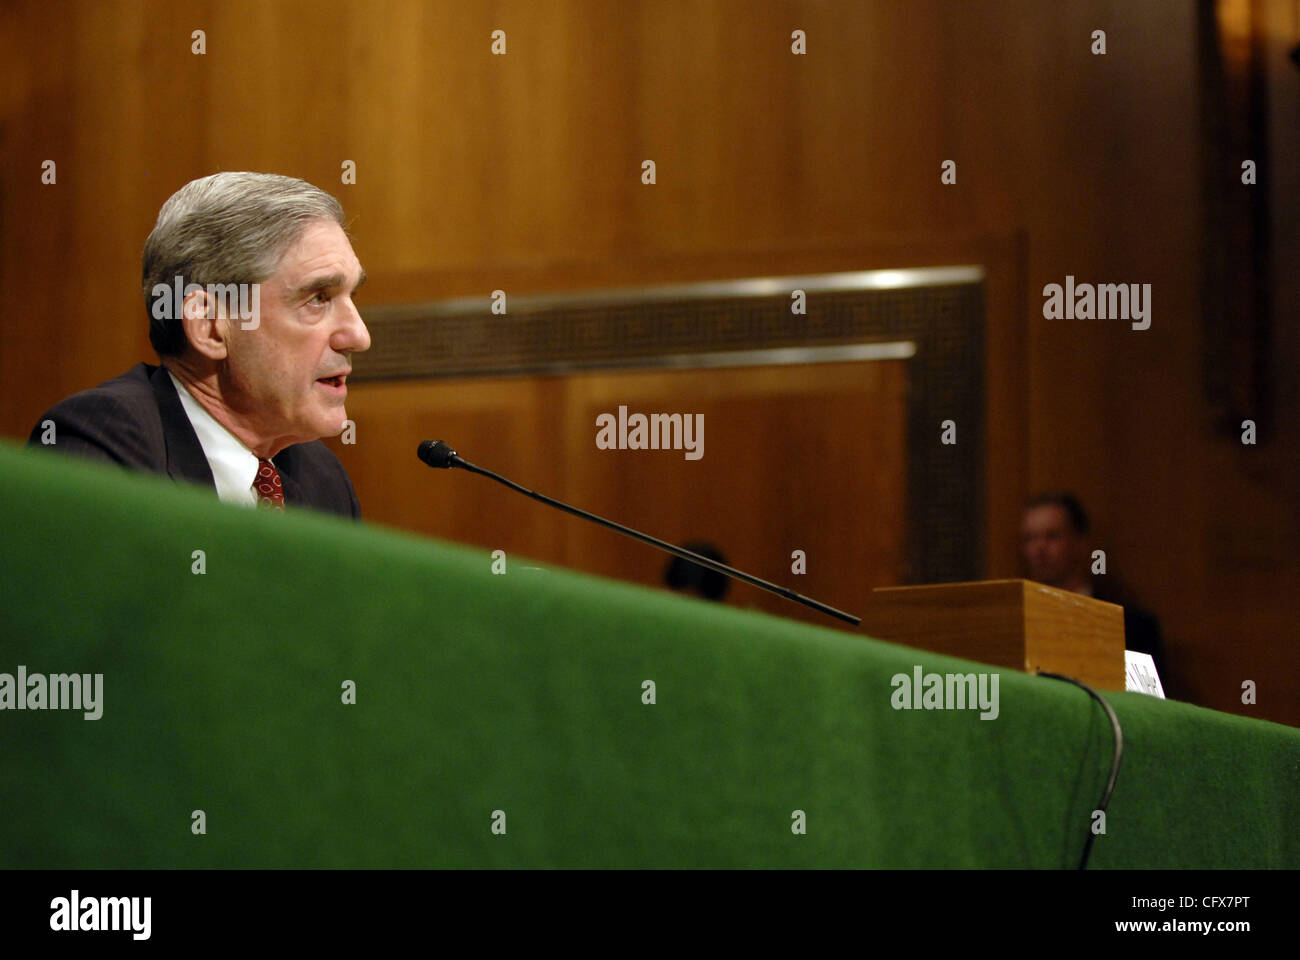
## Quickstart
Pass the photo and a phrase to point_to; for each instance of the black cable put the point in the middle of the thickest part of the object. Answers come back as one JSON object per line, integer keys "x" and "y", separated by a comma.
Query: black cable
{"x": 1119, "y": 753}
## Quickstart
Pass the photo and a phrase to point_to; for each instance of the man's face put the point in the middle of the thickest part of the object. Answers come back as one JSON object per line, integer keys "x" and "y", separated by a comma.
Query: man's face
{"x": 308, "y": 330}
{"x": 1051, "y": 549}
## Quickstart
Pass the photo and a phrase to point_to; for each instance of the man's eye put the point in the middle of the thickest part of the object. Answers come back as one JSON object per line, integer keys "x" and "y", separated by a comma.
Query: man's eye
{"x": 319, "y": 298}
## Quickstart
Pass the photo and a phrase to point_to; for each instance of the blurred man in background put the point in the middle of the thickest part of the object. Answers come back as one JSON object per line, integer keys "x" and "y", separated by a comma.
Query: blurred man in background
{"x": 1055, "y": 550}
{"x": 684, "y": 576}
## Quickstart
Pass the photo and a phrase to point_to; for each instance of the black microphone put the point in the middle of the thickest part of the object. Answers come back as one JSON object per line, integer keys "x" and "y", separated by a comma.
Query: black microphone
{"x": 436, "y": 453}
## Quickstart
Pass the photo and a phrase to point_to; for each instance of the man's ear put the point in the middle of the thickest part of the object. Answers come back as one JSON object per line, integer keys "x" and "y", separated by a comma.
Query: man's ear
{"x": 204, "y": 329}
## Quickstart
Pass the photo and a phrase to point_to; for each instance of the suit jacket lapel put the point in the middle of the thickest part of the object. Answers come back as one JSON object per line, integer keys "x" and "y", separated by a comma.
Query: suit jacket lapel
{"x": 185, "y": 457}
{"x": 284, "y": 462}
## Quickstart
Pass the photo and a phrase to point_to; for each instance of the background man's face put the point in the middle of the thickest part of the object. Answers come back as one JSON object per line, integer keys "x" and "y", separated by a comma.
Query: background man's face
{"x": 1051, "y": 549}
{"x": 308, "y": 330}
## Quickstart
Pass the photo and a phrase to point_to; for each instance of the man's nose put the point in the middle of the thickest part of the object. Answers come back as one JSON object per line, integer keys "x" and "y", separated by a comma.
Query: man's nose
{"x": 352, "y": 336}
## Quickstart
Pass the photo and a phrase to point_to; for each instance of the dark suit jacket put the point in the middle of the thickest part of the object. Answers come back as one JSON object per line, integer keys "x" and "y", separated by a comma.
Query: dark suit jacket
{"x": 137, "y": 420}
{"x": 1141, "y": 627}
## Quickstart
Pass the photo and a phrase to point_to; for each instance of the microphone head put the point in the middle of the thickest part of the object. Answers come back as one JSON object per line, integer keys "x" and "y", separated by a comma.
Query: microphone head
{"x": 436, "y": 453}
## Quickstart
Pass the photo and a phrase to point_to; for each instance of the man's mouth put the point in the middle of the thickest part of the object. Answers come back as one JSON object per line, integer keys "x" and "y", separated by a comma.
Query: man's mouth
{"x": 337, "y": 383}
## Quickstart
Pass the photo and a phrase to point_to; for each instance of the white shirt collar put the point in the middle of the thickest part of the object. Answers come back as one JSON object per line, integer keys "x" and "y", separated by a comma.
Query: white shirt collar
{"x": 234, "y": 466}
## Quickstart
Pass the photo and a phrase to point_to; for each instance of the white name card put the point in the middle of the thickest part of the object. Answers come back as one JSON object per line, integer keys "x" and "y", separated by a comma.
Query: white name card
{"x": 1140, "y": 674}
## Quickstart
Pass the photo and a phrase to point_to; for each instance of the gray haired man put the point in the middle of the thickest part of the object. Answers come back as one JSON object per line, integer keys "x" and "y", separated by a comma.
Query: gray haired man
{"x": 248, "y": 285}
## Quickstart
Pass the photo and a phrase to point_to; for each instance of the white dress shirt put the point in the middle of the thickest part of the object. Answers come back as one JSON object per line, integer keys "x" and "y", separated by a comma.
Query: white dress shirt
{"x": 234, "y": 466}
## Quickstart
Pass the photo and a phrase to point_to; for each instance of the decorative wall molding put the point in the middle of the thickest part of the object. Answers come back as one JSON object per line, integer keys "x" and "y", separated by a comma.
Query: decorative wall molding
{"x": 931, "y": 317}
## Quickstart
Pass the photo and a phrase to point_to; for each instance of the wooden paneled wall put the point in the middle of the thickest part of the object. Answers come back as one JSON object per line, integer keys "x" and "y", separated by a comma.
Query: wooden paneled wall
{"x": 807, "y": 458}
{"x": 523, "y": 172}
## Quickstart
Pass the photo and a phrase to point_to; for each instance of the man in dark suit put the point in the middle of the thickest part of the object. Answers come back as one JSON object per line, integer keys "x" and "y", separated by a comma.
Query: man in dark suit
{"x": 248, "y": 282}
{"x": 1054, "y": 530}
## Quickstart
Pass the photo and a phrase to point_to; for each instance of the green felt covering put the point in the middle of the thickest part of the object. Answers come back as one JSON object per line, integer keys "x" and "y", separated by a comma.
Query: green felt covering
{"x": 523, "y": 693}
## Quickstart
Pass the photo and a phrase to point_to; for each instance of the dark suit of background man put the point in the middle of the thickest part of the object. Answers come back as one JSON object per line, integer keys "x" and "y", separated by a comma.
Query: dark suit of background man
{"x": 1054, "y": 546}
{"x": 240, "y": 399}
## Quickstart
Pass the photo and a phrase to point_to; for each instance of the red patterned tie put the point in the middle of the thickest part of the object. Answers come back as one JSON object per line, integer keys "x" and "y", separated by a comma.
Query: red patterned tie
{"x": 267, "y": 485}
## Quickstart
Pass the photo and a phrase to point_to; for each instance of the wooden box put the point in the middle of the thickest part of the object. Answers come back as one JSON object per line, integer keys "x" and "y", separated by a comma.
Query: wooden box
{"x": 1009, "y": 623}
